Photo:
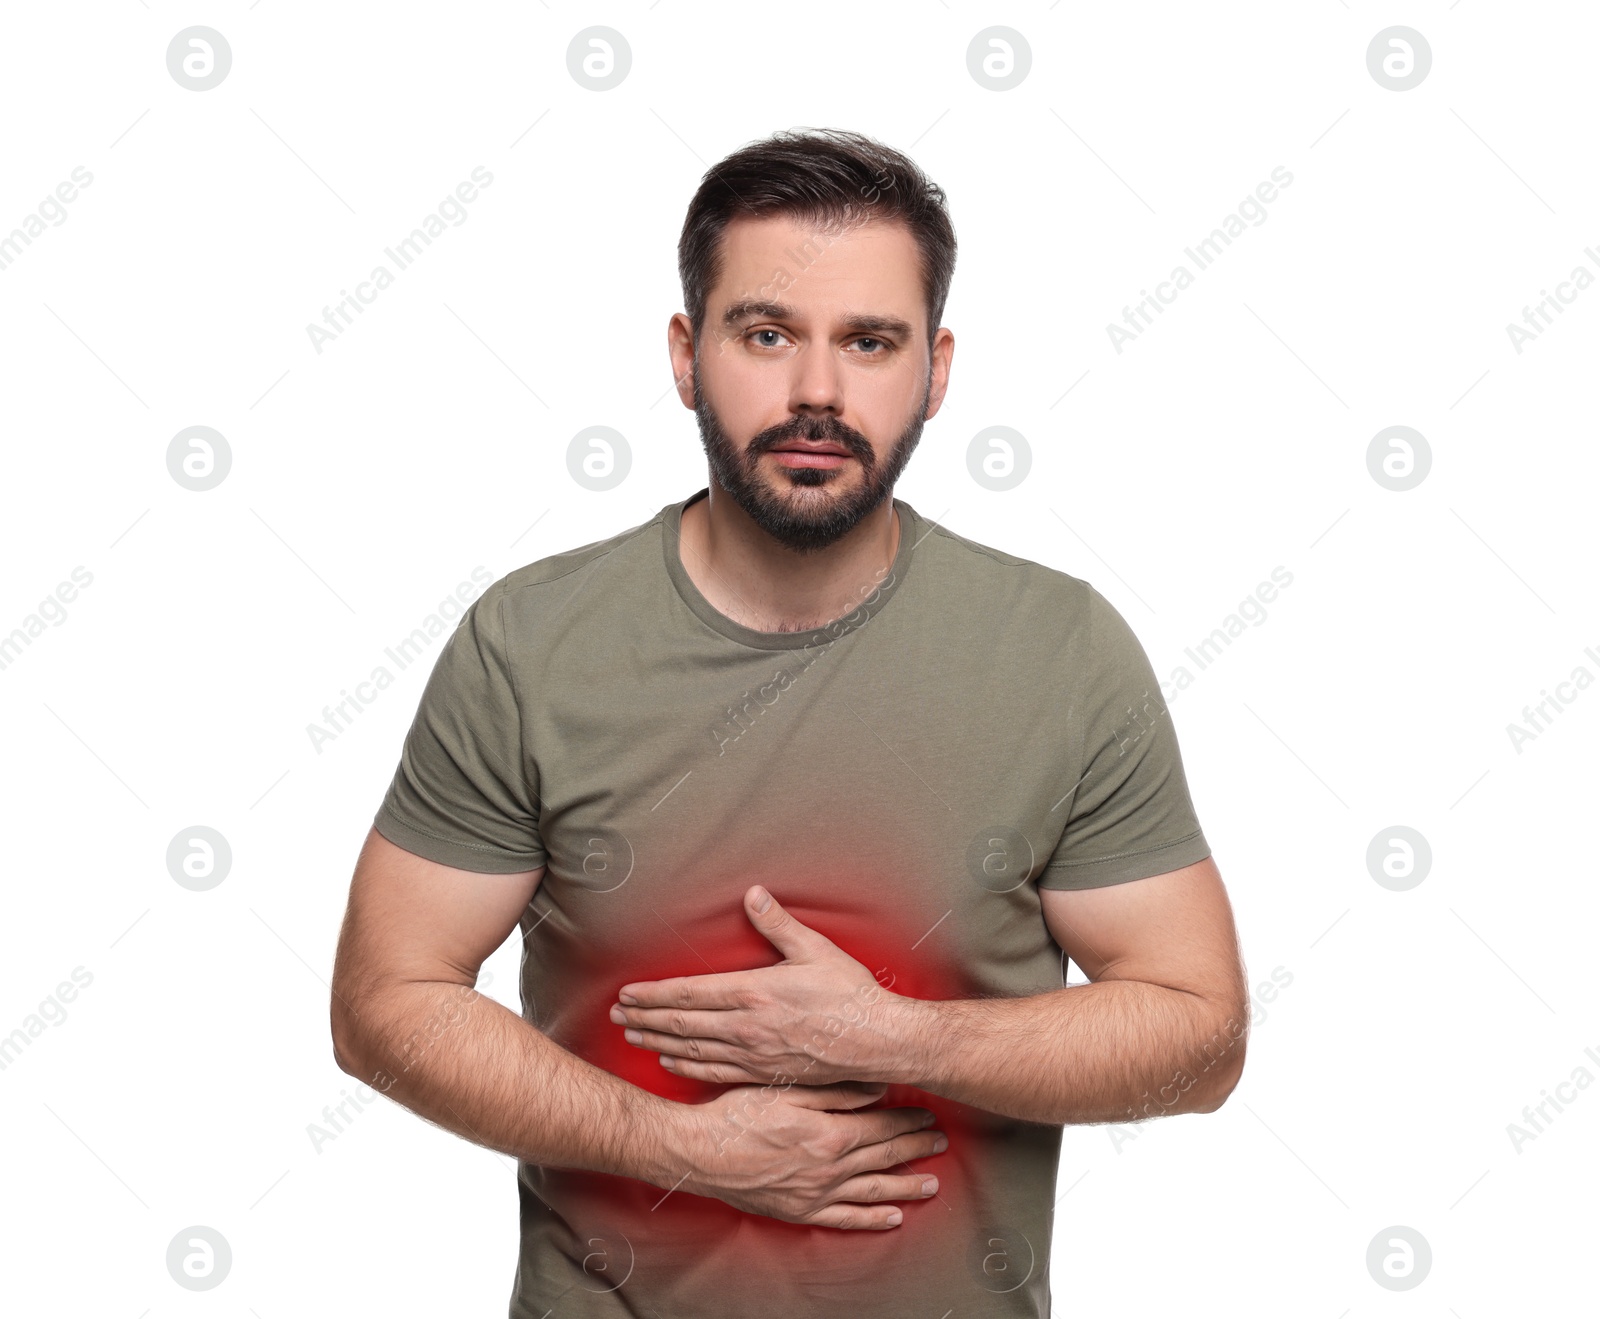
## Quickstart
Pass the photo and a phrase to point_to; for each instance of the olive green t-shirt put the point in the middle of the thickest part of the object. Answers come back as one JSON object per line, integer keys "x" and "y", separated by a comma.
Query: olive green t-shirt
{"x": 903, "y": 780}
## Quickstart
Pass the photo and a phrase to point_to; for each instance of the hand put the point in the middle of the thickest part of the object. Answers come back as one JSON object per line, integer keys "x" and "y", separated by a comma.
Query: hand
{"x": 817, "y": 1017}
{"x": 776, "y": 1151}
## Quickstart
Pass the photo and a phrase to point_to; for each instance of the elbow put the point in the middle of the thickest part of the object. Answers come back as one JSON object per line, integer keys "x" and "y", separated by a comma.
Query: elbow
{"x": 1216, "y": 1095}
{"x": 1214, "y": 1062}
{"x": 342, "y": 1018}
{"x": 1224, "y": 1052}
{"x": 360, "y": 1026}
{"x": 341, "y": 1053}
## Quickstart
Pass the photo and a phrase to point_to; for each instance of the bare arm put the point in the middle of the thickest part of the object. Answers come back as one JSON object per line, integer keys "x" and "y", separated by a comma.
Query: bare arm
{"x": 407, "y": 1020}
{"x": 1161, "y": 1028}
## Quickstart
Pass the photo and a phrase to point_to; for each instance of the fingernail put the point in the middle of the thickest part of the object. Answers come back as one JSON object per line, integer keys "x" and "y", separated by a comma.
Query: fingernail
{"x": 940, "y": 1144}
{"x": 618, "y": 1017}
{"x": 763, "y": 900}
{"x": 894, "y": 1217}
{"x": 929, "y": 1120}
{"x": 629, "y": 999}
{"x": 930, "y": 1185}
{"x": 632, "y": 1036}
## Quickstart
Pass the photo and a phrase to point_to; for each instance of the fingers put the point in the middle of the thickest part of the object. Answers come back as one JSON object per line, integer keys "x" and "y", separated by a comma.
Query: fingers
{"x": 701, "y": 1050}
{"x": 862, "y": 1201}
{"x": 718, "y": 990}
{"x": 886, "y": 1123}
{"x": 723, "y": 1073}
{"x": 894, "y": 1153}
{"x": 682, "y": 1023}
{"x": 857, "y": 1218}
{"x": 842, "y": 1094}
{"x": 873, "y": 1188}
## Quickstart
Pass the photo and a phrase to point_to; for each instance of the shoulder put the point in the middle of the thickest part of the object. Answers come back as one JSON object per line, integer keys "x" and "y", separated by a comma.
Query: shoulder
{"x": 996, "y": 574}
{"x": 627, "y": 549}
{"x": 1063, "y": 614}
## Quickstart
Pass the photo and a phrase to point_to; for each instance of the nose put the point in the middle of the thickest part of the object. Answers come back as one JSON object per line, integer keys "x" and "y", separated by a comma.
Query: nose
{"x": 816, "y": 386}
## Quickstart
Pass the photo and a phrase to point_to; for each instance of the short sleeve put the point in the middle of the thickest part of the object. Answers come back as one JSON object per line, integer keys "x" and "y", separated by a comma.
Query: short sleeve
{"x": 465, "y": 793}
{"x": 1129, "y": 814}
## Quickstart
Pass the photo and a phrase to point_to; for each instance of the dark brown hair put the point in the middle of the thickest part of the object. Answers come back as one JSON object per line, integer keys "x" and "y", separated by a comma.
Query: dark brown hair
{"x": 826, "y": 176}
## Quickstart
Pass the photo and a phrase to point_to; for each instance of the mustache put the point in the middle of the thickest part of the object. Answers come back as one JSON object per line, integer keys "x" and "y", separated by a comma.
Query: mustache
{"x": 823, "y": 430}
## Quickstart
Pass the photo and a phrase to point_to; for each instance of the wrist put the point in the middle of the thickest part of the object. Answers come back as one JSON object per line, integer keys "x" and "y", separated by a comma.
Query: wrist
{"x": 655, "y": 1147}
{"x": 910, "y": 1027}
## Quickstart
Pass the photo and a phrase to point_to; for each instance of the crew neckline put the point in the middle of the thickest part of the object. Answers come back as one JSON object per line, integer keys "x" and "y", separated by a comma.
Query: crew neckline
{"x": 874, "y": 599}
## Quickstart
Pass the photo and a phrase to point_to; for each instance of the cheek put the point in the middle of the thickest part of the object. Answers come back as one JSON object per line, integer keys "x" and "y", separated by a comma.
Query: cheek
{"x": 747, "y": 400}
{"x": 884, "y": 423}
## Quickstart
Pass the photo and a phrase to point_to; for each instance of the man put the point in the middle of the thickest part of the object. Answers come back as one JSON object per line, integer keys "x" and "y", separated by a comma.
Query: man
{"x": 791, "y": 718}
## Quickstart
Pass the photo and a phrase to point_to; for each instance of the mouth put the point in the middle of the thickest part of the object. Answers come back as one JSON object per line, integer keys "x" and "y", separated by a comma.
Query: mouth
{"x": 809, "y": 453}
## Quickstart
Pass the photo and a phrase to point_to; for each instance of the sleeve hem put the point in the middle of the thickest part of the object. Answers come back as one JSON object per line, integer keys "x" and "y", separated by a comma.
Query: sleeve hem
{"x": 448, "y": 852}
{"x": 1127, "y": 866}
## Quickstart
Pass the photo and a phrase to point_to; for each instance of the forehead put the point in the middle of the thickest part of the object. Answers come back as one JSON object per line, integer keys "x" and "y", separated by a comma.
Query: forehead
{"x": 869, "y": 268}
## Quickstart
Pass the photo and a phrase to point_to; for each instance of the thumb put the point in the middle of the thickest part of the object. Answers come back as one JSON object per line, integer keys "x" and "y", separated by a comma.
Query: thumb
{"x": 782, "y": 930}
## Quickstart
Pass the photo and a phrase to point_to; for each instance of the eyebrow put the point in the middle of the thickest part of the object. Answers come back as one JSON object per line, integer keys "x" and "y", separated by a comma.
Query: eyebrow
{"x": 862, "y": 322}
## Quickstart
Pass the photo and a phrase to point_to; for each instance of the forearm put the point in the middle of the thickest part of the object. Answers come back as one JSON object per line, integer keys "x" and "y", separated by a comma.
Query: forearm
{"x": 1112, "y": 1051}
{"x": 474, "y": 1067}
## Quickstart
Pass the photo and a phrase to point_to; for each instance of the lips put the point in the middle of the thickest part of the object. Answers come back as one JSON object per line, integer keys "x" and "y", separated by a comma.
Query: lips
{"x": 804, "y": 446}
{"x": 815, "y": 455}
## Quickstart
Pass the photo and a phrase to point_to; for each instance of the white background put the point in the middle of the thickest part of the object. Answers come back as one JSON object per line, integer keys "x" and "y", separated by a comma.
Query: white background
{"x": 367, "y": 480}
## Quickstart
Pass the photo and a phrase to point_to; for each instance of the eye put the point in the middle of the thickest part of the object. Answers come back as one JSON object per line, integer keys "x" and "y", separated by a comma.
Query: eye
{"x": 756, "y": 334}
{"x": 869, "y": 339}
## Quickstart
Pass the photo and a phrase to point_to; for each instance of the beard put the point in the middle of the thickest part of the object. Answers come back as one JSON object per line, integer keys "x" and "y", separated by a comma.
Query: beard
{"x": 794, "y": 520}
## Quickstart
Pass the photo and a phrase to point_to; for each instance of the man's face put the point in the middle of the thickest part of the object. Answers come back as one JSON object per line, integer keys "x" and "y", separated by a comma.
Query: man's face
{"x": 812, "y": 378}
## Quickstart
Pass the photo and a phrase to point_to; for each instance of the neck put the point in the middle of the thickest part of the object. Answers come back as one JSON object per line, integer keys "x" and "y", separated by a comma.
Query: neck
{"x": 761, "y": 584}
